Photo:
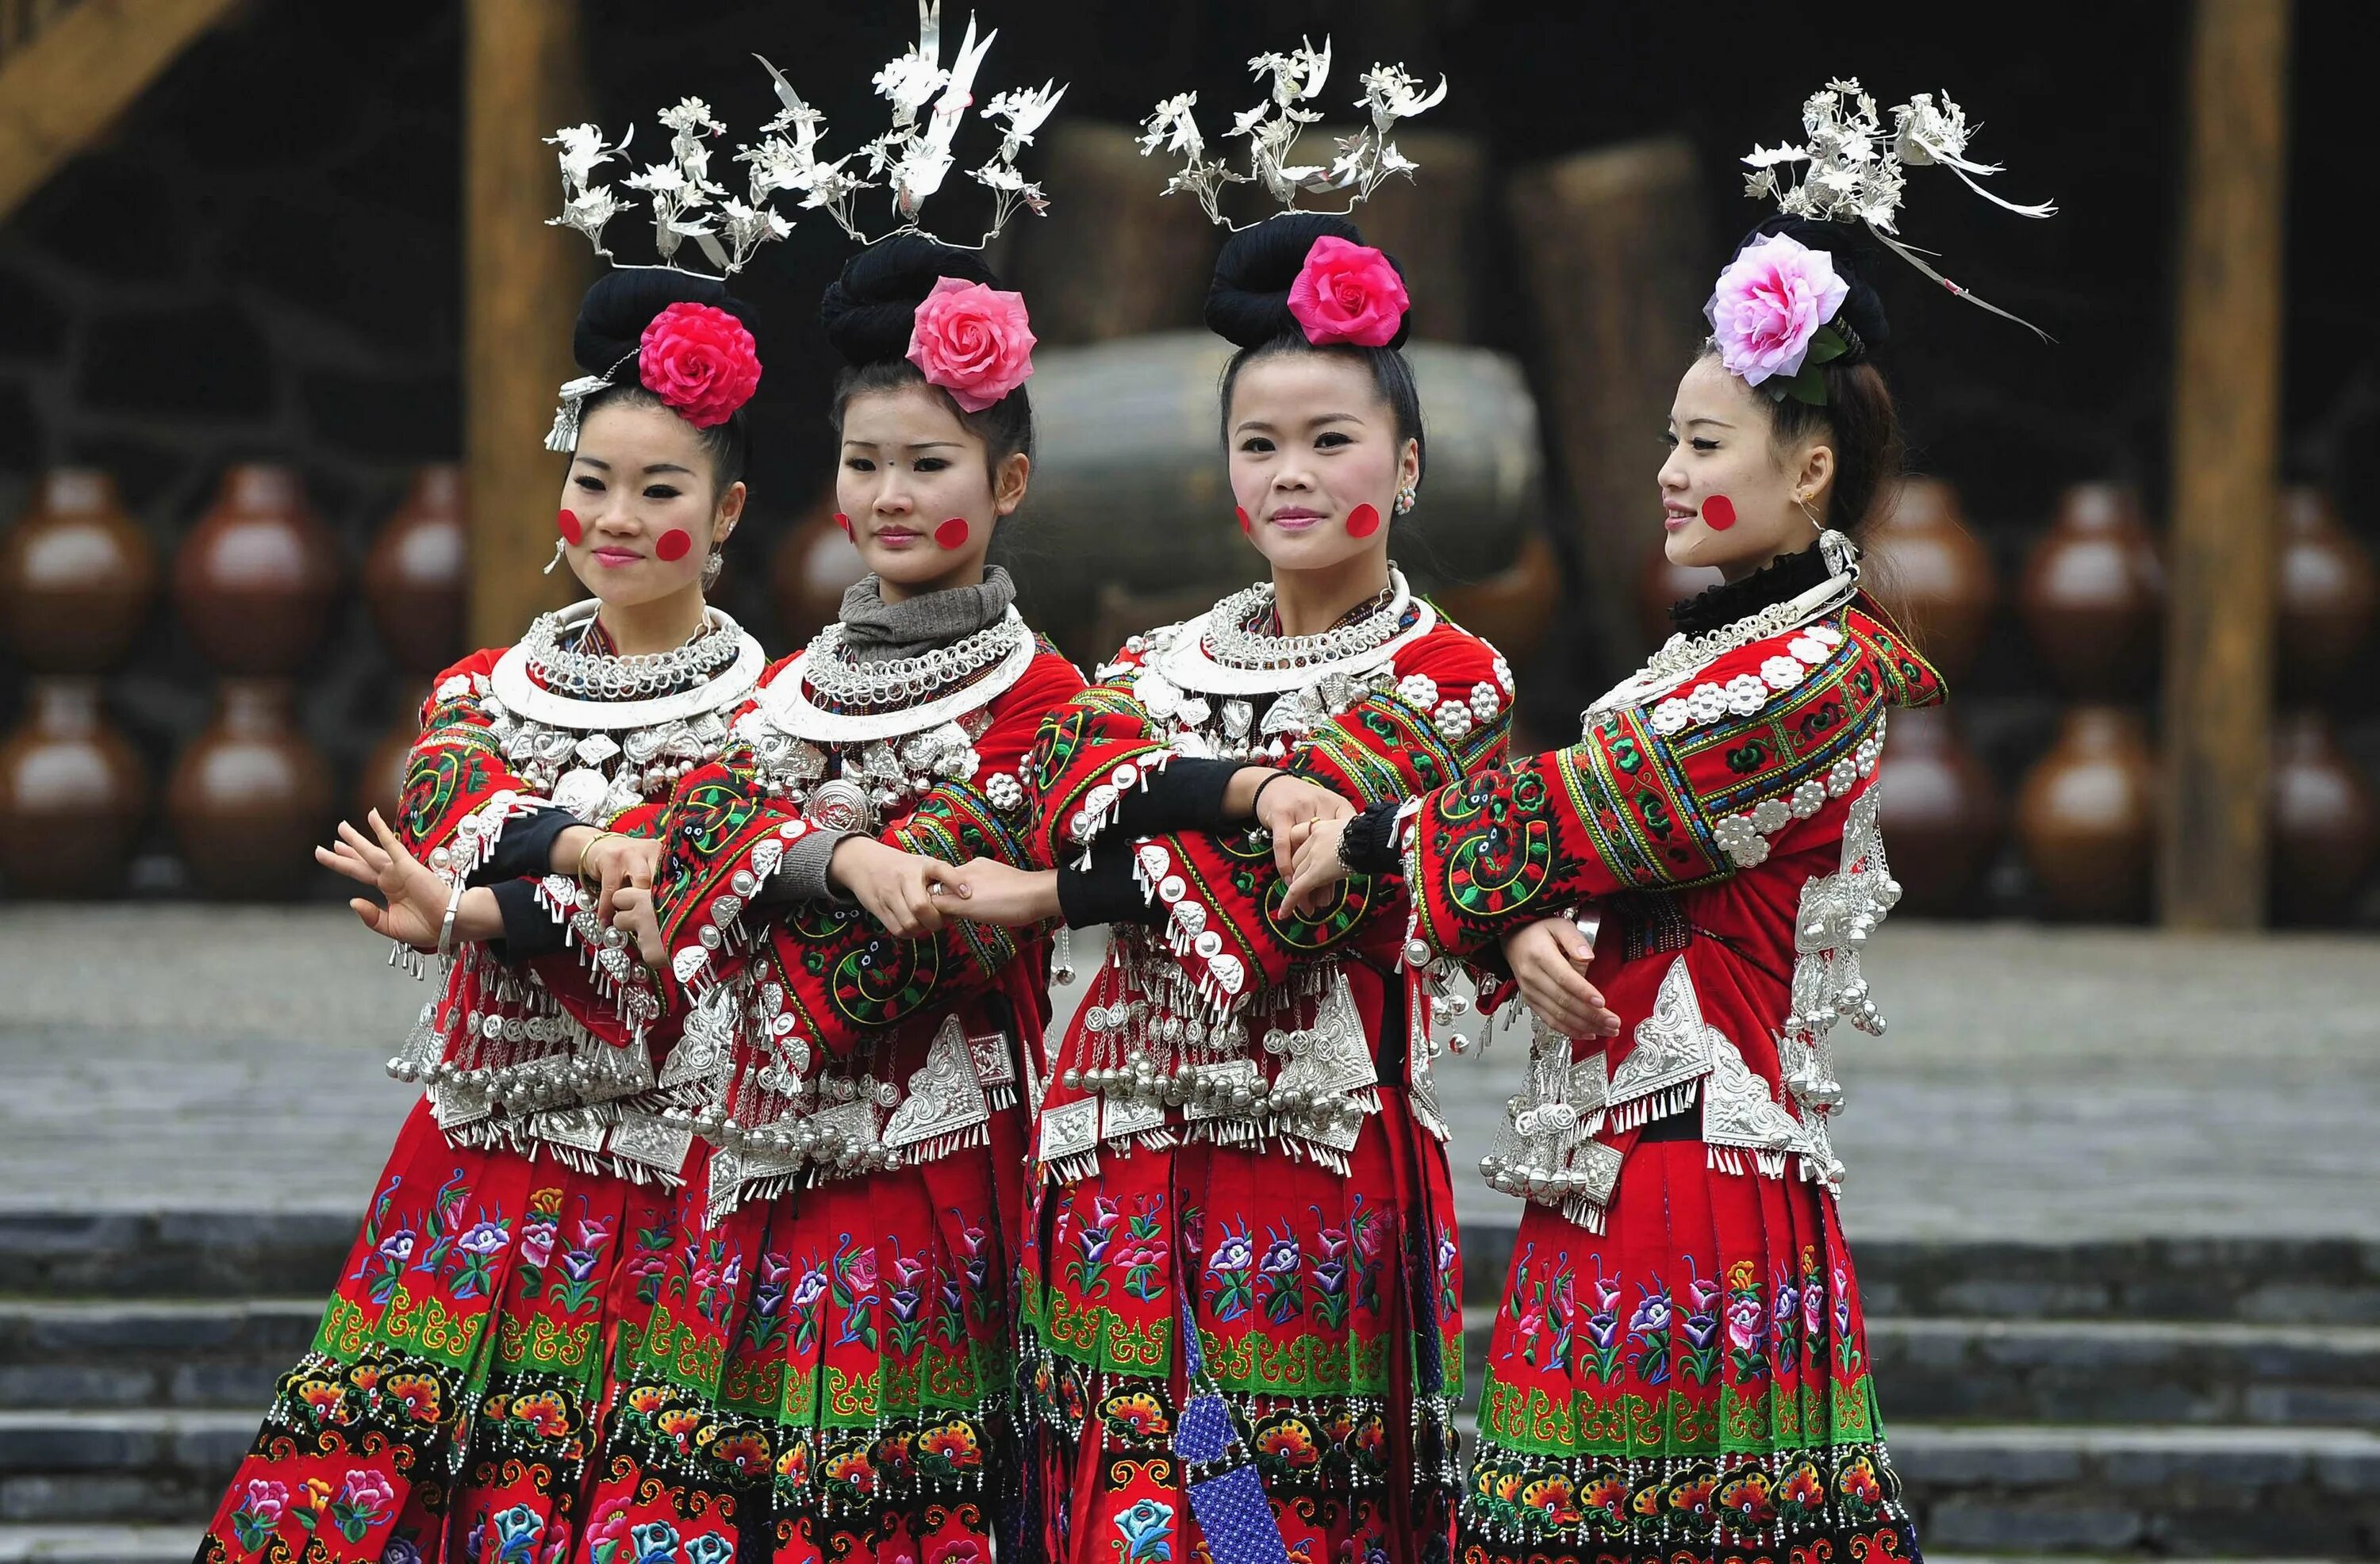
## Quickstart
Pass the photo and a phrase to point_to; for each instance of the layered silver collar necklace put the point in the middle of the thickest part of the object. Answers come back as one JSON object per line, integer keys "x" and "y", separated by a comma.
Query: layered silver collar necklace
{"x": 829, "y": 698}
{"x": 547, "y": 679}
{"x": 1226, "y": 652}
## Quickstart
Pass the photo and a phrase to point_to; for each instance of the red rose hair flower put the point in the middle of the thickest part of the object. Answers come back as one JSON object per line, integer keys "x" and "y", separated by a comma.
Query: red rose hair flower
{"x": 700, "y": 361}
{"x": 1348, "y": 292}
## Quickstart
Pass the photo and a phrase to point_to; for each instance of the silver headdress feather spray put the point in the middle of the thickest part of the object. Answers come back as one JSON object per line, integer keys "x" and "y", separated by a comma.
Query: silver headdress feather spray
{"x": 1365, "y": 160}
{"x": 1854, "y": 171}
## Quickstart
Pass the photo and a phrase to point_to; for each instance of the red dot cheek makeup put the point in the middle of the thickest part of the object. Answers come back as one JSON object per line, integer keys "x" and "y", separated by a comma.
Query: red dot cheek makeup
{"x": 1718, "y": 513}
{"x": 674, "y": 543}
{"x": 1363, "y": 521}
{"x": 952, "y": 534}
{"x": 568, "y": 524}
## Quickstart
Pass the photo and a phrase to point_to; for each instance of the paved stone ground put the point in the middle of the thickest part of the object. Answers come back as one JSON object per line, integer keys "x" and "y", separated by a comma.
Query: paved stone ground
{"x": 2045, "y": 1085}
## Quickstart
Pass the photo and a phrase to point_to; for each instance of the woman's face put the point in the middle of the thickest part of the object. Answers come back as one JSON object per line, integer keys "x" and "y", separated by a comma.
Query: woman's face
{"x": 1316, "y": 461}
{"x": 914, "y": 493}
{"x": 1729, "y": 497}
{"x": 639, "y": 499}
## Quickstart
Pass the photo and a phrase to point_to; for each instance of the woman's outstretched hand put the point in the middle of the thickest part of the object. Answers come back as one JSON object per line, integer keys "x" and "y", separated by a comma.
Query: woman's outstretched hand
{"x": 901, "y": 891}
{"x": 413, "y": 896}
{"x": 1549, "y": 959}
{"x": 990, "y": 891}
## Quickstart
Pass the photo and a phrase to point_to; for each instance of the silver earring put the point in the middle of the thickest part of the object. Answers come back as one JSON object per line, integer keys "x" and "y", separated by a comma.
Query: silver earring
{"x": 1406, "y": 497}
{"x": 1809, "y": 514}
{"x": 552, "y": 564}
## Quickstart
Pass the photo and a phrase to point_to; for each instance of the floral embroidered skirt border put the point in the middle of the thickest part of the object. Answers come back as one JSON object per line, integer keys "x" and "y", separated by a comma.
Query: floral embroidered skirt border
{"x": 1692, "y": 1385}
{"x": 1329, "y": 1316}
{"x": 527, "y": 1364}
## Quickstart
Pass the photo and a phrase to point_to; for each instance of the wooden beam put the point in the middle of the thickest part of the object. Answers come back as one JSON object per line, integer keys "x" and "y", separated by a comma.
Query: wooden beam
{"x": 62, "y": 86}
{"x": 522, "y": 76}
{"x": 2226, "y": 433}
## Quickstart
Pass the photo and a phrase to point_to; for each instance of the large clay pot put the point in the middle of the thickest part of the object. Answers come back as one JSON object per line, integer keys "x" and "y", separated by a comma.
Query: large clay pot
{"x": 413, "y": 577}
{"x": 814, "y": 566}
{"x": 72, "y": 796}
{"x": 251, "y": 798}
{"x": 2094, "y": 594}
{"x": 1663, "y": 584}
{"x": 2325, "y": 825}
{"x": 2327, "y": 594}
{"x": 1929, "y": 572}
{"x": 1940, "y": 814}
{"x": 255, "y": 578}
{"x": 2086, "y": 818}
{"x": 77, "y": 576}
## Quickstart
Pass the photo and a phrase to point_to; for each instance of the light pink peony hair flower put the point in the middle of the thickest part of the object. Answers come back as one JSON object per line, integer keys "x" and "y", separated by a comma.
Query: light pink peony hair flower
{"x": 1348, "y": 292}
{"x": 975, "y": 342}
{"x": 1770, "y": 303}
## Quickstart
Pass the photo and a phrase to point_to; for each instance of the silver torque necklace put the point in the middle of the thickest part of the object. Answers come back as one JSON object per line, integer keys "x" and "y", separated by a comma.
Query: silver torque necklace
{"x": 831, "y": 670}
{"x": 595, "y": 675}
{"x": 1232, "y": 643}
{"x": 520, "y": 679}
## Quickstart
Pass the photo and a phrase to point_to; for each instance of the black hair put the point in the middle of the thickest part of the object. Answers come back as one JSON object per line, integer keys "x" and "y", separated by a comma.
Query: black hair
{"x": 1859, "y": 421}
{"x": 868, "y": 313}
{"x": 1248, "y": 304}
{"x": 611, "y": 328}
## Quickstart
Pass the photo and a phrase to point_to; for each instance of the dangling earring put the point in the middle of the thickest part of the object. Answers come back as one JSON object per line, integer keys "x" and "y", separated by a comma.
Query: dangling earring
{"x": 1811, "y": 516}
{"x": 1406, "y": 496}
{"x": 552, "y": 564}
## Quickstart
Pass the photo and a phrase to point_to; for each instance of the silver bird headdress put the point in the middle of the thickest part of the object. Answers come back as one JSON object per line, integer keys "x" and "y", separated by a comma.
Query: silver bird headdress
{"x": 911, "y": 158}
{"x": 1853, "y": 170}
{"x": 1365, "y": 160}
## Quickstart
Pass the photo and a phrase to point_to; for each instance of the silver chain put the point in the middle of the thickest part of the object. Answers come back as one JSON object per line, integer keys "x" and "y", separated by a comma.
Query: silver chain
{"x": 828, "y": 668}
{"x": 596, "y": 675}
{"x": 1232, "y": 642}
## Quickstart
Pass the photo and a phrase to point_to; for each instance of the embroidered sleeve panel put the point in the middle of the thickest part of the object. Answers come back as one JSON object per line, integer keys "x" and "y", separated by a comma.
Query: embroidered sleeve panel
{"x": 843, "y": 978}
{"x": 457, "y": 766}
{"x": 1741, "y": 759}
{"x": 1445, "y": 713}
{"x": 1088, "y": 752}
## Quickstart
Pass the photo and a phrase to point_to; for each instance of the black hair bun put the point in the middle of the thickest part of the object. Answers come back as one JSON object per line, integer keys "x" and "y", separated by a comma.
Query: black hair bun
{"x": 613, "y": 315}
{"x": 1248, "y": 304}
{"x": 1856, "y": 262}
{"x": 870, "y": 309}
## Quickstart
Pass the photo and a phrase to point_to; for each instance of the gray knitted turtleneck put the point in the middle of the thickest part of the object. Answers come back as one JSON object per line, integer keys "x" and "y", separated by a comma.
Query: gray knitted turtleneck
{"x": 877, "y": 631}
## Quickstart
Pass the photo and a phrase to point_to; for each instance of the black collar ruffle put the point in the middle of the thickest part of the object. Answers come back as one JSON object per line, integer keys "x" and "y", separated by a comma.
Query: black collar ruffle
{"x": 1714, "y": 607}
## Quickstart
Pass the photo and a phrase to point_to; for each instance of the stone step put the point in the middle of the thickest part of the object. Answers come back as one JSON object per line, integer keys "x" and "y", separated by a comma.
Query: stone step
{"x": 2055, "y": 1372}
{"x": 142, "y": 1465}
{"x": 71, "y": 1543}
{"x": 2257, "y": 1281}
{"x": 187, "y": 1352}
{"x": 2183, "y": 1492}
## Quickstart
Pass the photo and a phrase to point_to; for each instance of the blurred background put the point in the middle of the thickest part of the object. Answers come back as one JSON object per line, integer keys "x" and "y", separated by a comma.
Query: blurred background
{"x": 280, "y": 328}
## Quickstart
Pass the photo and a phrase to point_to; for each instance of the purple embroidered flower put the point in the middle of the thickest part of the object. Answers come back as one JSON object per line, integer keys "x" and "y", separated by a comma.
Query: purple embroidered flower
{"x": 579, "y": 1264}
{"x": 400, "y": 1550}
{"x": 1232, "y": 1253}
{"x": 1788, "y": 1305}
{"x": 1331, "y": 1276}
{"x": 1280, "y": 1258}
{"x": 806, "y": 1291}
{"x": 484, "y": 1238}
{"x": 1603, "y": 1329}
{"x": 1652, "y": 1315}
{"x": 1447, "y": 1254}
{"x": 399, "y": 1245}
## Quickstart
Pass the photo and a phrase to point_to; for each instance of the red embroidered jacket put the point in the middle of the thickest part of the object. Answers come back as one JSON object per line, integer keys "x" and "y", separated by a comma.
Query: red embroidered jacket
{"x": 1725, "y": 826}
{"x": 839, "y": 1049}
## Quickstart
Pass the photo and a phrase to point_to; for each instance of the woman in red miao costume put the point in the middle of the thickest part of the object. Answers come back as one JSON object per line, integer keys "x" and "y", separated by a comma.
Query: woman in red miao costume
{"x": 451, "y": 1406}
{"x": 1240, "y": 1322}
{"x": 865, "y": 1107}
{"x": 1679, "y": 1370}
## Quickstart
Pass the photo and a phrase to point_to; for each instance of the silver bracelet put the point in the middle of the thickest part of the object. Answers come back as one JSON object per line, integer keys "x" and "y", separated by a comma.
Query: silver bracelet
{"x": 446, "y": 925}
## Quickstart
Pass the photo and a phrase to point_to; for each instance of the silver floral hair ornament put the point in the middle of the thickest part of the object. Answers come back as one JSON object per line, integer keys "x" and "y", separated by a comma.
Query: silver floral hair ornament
{"x": 687, "y": 203}
{"x": 1365, "y": 160}
{"x": 1855, "y": 170}
{"x": 909, "y": 161}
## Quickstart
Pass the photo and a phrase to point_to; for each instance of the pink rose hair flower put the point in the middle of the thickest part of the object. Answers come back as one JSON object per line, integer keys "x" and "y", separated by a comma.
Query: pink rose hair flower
{"x": 700, "y": 361}
{"x": 972, "y": 341}
{"x": 1769, "y": 304}
{"x": 1348, "y": 292}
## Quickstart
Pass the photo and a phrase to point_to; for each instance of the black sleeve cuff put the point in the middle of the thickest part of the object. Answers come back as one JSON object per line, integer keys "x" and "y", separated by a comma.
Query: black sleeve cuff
{"x": 529, "y": 928}
{"x": 1186, "y": 796}
{"x": 1105, "y": 892}
{"x": 1368, "y": 845}
{"x": 525, "y": 847}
